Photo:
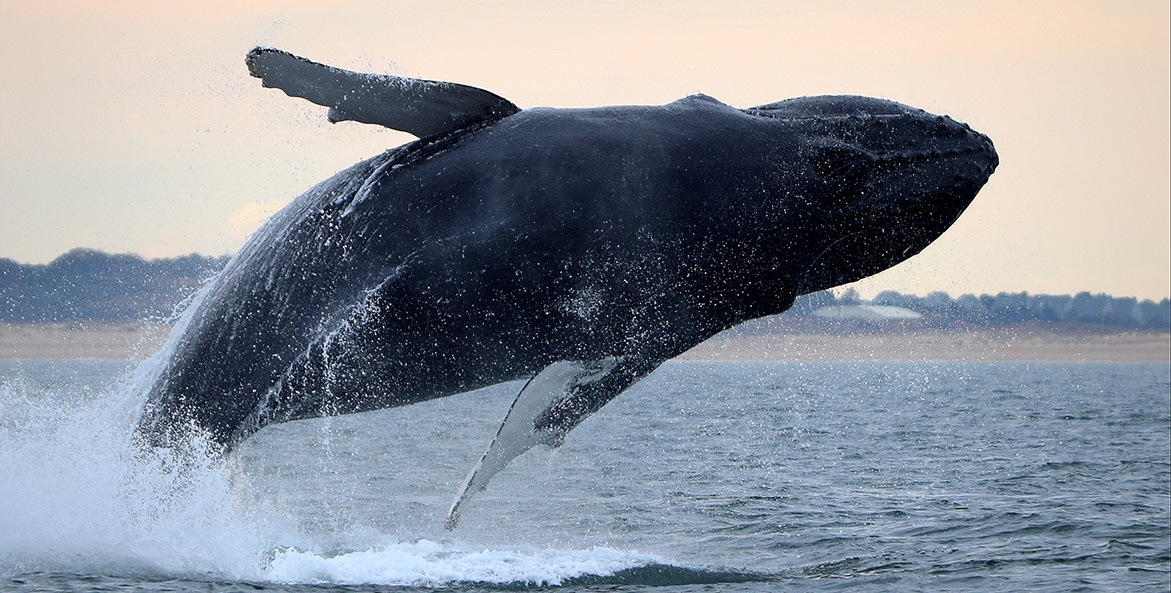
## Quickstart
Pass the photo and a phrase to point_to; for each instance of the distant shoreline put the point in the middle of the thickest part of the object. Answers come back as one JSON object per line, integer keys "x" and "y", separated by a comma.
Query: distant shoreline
{"x": 1019, "y": 343}
{"x": 110, "y": 341}
{"x": 136, "y": 341}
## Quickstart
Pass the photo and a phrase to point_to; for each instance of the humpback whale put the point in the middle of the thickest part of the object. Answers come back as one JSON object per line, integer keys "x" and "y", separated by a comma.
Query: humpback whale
{"x": 576, "y": 248}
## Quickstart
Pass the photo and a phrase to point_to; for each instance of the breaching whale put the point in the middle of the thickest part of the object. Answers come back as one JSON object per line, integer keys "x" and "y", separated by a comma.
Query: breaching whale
{"x": 575, "y": 248}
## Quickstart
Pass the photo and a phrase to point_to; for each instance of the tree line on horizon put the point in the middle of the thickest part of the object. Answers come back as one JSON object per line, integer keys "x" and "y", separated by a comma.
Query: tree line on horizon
{"x": 90, "y": 285}
{"x": 940, "y": 310}
{"x": 87, "y": 285}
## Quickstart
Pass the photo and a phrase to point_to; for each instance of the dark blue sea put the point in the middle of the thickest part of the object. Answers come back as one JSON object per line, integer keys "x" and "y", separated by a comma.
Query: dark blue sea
{"x": 711, "y": 477}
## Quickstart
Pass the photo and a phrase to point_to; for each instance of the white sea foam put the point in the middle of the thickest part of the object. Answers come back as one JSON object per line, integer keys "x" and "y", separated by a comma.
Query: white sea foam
{"x": 429, "y": 564}
{"x": 77, "y": 496}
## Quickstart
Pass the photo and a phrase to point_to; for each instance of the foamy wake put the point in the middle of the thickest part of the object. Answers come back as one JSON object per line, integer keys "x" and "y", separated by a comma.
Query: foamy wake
{"x": 430, "y": 564}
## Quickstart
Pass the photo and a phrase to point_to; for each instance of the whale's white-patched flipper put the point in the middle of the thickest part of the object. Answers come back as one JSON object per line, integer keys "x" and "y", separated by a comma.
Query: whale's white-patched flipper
{"x": 519, "y": 432}
{"x": 420, "y": 107}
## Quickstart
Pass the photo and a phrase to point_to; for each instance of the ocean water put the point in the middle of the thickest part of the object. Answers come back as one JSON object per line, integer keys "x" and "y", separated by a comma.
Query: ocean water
{"x": 703, "y": 477}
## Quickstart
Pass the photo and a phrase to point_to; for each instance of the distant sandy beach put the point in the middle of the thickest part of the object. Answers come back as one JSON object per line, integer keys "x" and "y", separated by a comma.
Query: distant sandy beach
{"x": 1004, "y": 344}
{"x": 132, "y": 341}
{"x": 140, "y": 340}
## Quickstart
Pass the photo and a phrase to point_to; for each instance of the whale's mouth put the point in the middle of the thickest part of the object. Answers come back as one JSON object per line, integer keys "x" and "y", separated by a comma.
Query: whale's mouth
{"x": 889, "y": 179}
{"x": 891, "y": 237}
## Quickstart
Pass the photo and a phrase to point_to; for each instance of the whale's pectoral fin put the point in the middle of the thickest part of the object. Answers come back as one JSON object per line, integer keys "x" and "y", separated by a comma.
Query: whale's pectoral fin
{"x": 420, "y": 107}
{"x": 547, "y": 408}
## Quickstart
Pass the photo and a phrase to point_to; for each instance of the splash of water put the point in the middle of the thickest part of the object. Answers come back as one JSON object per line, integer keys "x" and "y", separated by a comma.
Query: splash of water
{"x": 80, "y": 497}
{"x": 77, "y": 495}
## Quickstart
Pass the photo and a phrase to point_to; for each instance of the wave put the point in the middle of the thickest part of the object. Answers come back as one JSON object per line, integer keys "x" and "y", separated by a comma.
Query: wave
{"x": 429, "y": 564}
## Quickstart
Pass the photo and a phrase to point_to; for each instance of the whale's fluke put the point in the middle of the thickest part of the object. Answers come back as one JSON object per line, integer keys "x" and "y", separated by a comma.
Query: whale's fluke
{"x": 420, "y": 107}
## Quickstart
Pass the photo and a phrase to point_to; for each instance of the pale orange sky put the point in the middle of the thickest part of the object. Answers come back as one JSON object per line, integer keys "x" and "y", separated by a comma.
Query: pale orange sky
{"x": 133, "y": 126}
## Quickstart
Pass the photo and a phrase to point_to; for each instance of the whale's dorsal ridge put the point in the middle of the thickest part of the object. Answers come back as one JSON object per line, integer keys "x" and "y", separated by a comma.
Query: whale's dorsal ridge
{"x": 420, "y": 107}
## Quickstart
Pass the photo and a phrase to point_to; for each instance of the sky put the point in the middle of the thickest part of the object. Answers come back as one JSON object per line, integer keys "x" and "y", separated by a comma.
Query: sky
{"x": 133, "y": 126}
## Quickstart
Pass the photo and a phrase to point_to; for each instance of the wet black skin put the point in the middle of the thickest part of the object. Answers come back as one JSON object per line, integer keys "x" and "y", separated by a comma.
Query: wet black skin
{"x": 485, "y": 254}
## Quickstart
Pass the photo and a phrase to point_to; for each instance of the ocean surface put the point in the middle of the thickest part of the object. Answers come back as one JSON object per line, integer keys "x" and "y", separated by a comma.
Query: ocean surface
{"x": 711, "y": 477}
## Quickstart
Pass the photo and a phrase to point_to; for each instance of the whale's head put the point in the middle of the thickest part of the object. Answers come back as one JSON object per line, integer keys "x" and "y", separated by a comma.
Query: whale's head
{"x": 882, "y": 180}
